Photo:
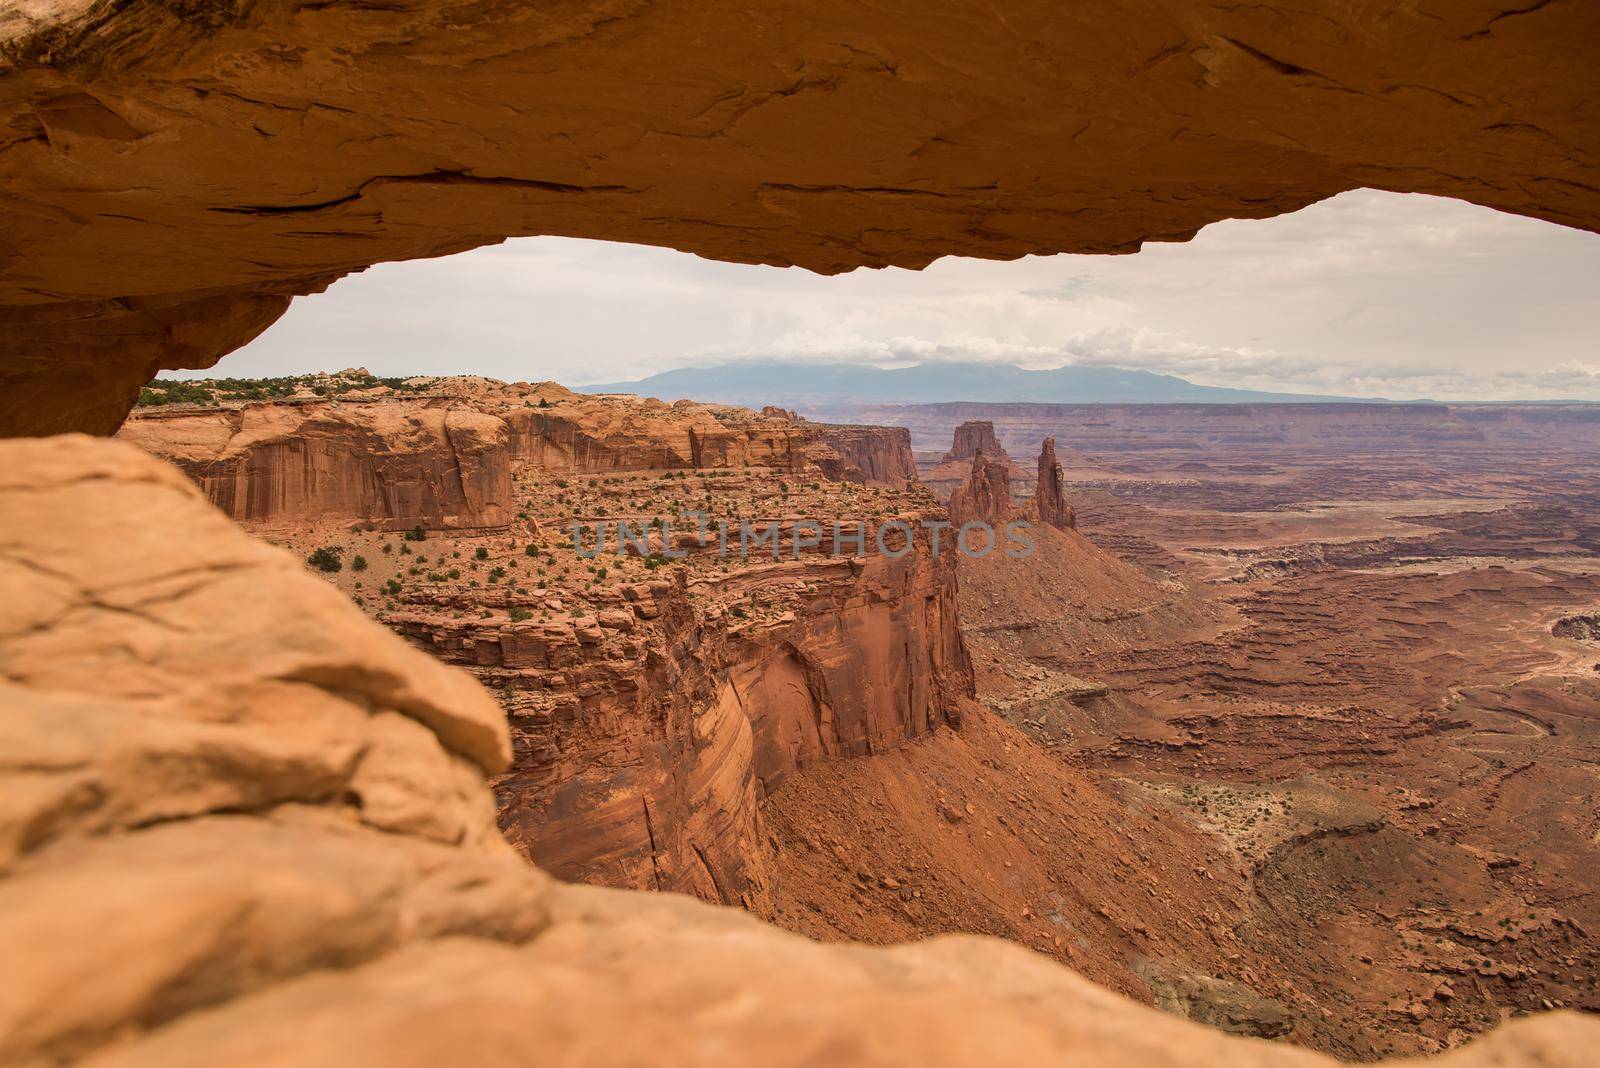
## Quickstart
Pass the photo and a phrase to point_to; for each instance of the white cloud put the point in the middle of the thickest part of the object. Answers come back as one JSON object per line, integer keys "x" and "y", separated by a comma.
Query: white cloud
{"x": 1369, "y": 293}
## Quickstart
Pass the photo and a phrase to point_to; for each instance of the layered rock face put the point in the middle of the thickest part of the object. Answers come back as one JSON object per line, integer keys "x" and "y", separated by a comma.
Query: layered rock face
{"x": 244, "y": 825}
{"x": 1049, "y": 500}
{"x": 877, "y": 455}
{"x": 972, "y": 438}
{"x": 171, "y": 181}
{"x": 986, "y": 495}
{"x": 649, "y": 735}
{"x": 392, "y": 464}
{"x": 443, "y": 454}
{"x": 622, "y": 433}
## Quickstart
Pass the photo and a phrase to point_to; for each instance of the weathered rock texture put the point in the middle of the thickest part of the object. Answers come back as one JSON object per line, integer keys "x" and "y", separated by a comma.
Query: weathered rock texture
{"x": 1049, "y": 499}
{"x": 392, "y": 464}
{"x": 445, "y": 457}
{"x": 649, "y": 735}
{"x": 986, "y": 495}
{"x": 244, "y": 825}
{"x": 174, "y": 174}
{"x": 876, "y": 455}
{"x": 972, "y": 438}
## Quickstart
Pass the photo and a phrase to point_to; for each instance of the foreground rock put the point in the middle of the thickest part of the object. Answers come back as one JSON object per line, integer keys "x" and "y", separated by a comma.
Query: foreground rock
{"x": 244, "y": 825}
{"x": 172, "y": 181}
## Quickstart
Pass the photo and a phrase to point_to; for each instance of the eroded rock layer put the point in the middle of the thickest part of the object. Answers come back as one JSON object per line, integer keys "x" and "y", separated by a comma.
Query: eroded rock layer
{"x": 986, "y": 495}
{"x": 393, "y": 465}
{"x": 440, "y": 453}
{"x": 172, "y": 176}
{"x": 880, "y": 455}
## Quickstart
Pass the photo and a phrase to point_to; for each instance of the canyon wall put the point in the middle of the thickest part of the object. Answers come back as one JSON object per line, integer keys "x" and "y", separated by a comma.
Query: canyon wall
{"x": 620, "y": 434}
{"x": 392, "y": 464}
{"x": 877, "y": 455}
{"x": 172, "y": 181}
{"x": 648, "y": 734}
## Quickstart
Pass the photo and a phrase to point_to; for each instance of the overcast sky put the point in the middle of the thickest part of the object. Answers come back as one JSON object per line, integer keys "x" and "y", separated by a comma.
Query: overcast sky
{"x": 1367, "y": 294}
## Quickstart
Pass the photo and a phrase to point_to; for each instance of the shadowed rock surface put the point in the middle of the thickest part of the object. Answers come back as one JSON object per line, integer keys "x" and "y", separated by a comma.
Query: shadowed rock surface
{"x": 986, "y": 495}
{"x": 262, "y": 837}
{"x": 1049, "y": 500}
{"x": 173, "y": 175}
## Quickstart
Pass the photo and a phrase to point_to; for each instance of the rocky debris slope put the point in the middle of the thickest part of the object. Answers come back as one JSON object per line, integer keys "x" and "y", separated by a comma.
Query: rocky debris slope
{"x": 244, "y": 825}
{"x": 172, "y": 181}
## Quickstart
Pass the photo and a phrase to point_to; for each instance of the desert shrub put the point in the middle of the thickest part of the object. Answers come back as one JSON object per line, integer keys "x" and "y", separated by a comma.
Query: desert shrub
{"x": 518, "y": 614}
{"x": 325, "y": 559}
{"x": 417, "y": 533}
{"x": 393, "y": 586}
{"x": 359, "y": 563}
{"x": 532, "y": 549}
{"x": 481, "y": 554}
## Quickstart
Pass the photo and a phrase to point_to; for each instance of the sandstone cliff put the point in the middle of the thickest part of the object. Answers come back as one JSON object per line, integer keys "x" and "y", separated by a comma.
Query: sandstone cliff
{"x": 986, "y": 495}
{"x": 591, "y": 434}
{"x": 247, "y": 826}
{"x": 1049, "y": 499}
{"x": 650, "y": 730}
{"x": 880, "y": 455}
{"x": 972, "y": 438}
{"x": 394, "y": 464}
{"x": 173, "y": 180}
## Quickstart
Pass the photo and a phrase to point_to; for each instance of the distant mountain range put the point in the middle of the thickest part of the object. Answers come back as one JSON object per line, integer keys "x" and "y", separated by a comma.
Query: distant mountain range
{"x": 808, "y": 385}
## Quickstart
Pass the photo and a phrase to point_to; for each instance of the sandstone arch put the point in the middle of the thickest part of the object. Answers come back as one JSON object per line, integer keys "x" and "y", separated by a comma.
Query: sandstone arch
{"x": 175, "y": 173}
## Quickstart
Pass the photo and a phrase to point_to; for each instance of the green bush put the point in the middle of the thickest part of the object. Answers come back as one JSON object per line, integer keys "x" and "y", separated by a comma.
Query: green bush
{"x": 417, "y": 533}
{"x": 325, "y": 559}
{"x": 359, "y": 563}
{"x": 518, "y": 614}
{"x": 482, "y": 553}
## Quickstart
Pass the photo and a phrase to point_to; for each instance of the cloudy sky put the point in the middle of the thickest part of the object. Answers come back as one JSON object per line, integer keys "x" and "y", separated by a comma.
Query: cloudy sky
{"x": 1368, "y": 294}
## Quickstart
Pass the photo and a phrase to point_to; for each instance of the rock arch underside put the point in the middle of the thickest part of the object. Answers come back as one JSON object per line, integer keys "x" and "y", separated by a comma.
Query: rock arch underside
{"x": 176, "y": 173}
{"x": 244, "y": 824}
